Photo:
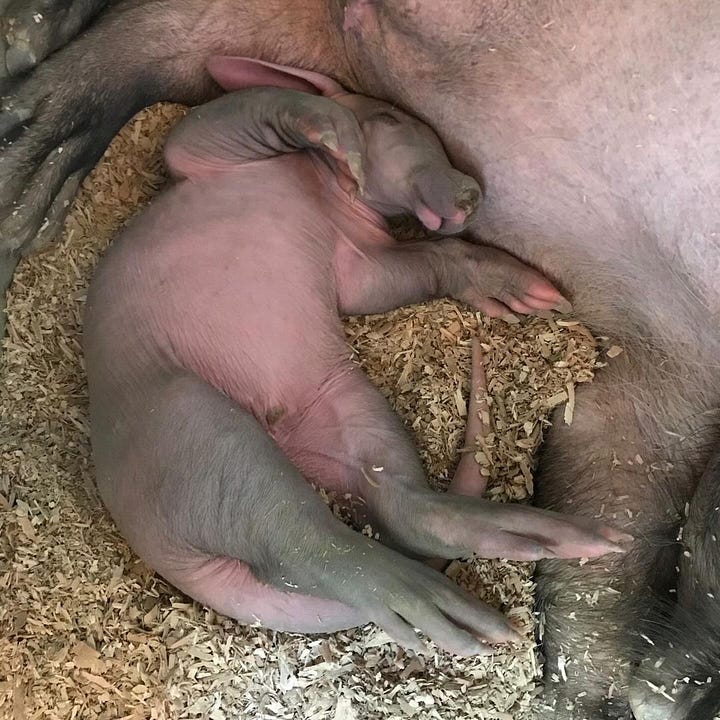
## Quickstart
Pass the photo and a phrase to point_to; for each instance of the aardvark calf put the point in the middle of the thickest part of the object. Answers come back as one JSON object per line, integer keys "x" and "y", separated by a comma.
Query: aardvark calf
{"x": 221, "y": 385}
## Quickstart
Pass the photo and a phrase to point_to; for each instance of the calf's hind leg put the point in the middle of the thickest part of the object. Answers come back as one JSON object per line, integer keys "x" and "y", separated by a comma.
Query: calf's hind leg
{"x": 206, "y": 499}
{"x": 350, "y": 438}
{"x": 210, "y": 501}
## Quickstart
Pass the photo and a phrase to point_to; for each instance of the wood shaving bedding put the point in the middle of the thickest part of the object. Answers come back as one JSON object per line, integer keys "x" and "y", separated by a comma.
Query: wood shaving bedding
{"x": 88, "y": 631}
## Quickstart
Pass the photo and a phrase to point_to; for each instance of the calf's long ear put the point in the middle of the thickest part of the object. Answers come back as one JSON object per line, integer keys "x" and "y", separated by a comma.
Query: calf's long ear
{"x": 240, "y": 73}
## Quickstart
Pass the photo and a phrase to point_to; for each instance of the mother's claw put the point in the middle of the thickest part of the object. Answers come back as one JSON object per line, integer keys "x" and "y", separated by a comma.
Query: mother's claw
{"x": 30, "y": 31}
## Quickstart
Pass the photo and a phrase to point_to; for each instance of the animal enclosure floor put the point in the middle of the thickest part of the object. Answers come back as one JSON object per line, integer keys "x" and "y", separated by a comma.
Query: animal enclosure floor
{"x": 87, "y": 631}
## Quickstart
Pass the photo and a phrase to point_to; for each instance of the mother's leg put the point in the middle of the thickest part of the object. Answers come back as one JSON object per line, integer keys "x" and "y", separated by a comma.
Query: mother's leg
{"x": 32, "y": 29}
{"x": 627, "y": 458}
{"x": 56, "y": 121}
{"x": 679, "y": 678}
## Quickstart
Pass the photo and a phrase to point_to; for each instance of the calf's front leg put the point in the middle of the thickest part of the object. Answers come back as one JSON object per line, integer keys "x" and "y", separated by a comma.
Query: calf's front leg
{"x": 375, "y": 278}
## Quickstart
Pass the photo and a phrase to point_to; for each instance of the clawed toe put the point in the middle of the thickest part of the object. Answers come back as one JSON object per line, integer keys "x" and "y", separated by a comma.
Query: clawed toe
{"x": 31, "y": 31}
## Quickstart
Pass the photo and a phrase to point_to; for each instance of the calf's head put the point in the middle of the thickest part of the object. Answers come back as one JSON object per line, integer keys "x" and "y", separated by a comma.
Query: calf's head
{"x": 405, "y": 167}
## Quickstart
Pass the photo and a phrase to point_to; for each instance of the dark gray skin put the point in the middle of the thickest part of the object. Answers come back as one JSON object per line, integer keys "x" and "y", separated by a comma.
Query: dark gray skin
{"x": 674, "y": 676}
{"x": 596, "y": 130}
{"x": 31, "y": 29}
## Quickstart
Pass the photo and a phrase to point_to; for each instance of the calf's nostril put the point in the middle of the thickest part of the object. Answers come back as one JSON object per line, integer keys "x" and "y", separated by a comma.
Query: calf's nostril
{"x": 467, "y": 200}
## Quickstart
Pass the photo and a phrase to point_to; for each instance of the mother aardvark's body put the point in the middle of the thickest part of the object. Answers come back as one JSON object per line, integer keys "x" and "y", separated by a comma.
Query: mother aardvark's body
{"x": 596, "y": 128}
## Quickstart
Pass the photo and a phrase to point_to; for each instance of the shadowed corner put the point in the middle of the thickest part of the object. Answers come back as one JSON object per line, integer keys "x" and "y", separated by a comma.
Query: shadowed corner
{"x": 678, "y": 658}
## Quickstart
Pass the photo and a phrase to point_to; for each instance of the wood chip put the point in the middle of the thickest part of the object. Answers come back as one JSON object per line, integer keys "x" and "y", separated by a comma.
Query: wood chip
{"x": 570, "y": 406}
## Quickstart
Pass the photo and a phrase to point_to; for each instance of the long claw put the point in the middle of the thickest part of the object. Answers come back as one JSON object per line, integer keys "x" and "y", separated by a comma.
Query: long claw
{"x": 330, "y": 140}
{"x": 564, "y": 307}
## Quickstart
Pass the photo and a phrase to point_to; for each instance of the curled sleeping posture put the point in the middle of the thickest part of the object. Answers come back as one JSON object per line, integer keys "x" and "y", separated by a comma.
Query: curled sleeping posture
{"x": 221, "y": 385}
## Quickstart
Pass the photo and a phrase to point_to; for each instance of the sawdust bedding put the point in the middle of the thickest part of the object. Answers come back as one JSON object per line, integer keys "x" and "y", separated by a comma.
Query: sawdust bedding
{"x": 88, "y": 631}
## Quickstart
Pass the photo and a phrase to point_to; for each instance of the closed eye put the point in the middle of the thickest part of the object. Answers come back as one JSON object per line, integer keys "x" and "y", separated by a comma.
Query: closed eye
{"x": 384, "y": 117}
